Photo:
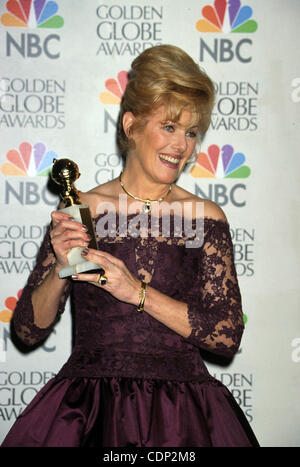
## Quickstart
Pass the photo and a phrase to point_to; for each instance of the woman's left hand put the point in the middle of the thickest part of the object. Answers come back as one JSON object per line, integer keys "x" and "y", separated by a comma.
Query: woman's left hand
{"x": 120, "y": 282}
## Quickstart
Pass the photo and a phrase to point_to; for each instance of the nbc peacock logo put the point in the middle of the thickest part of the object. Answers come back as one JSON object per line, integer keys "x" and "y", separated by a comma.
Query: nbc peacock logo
{"x": 32, "y": 14}
{"x": 10, "y": 305}
{"x": 227, "y": 16}
{"x": 29, "y": 160}
{"x": 115, "y": 88}
{"x": 221, "y": 162}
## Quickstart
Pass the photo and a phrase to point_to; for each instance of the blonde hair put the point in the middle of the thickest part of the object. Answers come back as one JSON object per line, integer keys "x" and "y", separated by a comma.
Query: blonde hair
{"x": 167, "y": 76}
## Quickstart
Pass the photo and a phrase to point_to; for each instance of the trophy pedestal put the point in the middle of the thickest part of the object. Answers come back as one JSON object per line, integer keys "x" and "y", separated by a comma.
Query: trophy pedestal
{"x": 77, "y": 263}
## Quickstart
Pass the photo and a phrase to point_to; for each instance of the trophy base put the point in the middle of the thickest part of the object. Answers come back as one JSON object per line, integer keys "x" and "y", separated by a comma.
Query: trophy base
{"x": 77, "y": 264}
{"x": 87, "y": 266}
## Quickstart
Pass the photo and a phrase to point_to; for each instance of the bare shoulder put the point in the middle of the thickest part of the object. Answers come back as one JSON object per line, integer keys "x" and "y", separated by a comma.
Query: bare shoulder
{"x": 213, "y": 211}
{"x": 208, "y": 208}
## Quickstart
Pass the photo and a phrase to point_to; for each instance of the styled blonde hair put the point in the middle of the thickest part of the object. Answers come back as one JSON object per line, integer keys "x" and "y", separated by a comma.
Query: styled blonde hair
{"x": 165, "y": 75}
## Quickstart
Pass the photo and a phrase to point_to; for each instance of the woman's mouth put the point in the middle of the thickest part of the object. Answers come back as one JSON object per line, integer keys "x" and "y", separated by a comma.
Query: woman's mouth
{"x": 170, "y": 160}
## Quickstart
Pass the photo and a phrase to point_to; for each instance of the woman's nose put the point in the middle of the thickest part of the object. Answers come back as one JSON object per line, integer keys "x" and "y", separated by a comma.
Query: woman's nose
{"x": 180, "y": 141}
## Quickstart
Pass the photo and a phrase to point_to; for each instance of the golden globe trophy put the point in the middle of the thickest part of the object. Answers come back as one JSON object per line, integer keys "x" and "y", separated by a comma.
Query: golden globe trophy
{"x": 65, "y": 172}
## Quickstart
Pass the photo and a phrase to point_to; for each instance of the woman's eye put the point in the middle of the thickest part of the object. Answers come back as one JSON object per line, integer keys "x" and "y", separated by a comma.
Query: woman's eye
{"x": 191, "y": 134}
{"x": 169, "y": 128}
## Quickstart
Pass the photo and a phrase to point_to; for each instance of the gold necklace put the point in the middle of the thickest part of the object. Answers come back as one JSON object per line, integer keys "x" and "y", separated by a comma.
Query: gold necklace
{"x": 147, "y": 202}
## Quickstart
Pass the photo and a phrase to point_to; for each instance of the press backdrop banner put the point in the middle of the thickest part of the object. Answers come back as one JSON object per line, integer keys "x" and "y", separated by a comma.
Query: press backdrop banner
{"x": 63, "y": 69}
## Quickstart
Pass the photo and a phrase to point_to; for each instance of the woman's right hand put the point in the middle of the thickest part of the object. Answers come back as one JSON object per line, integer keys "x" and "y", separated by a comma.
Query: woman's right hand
{"x": 65, "y": 234}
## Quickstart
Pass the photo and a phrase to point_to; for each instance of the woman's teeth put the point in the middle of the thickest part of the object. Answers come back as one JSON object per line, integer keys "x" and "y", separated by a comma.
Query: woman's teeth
{"x": 171, "y": 159}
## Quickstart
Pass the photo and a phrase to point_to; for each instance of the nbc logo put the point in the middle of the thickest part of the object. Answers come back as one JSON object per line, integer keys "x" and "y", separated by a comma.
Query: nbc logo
{"x": 114, "y": 89}
{"x": 30, "y": 160}
{"x": 32, "y": 14}
{"x": 220, "y": 163}
{"x": 226, "y": 16}
{"x": 10, "y": 305}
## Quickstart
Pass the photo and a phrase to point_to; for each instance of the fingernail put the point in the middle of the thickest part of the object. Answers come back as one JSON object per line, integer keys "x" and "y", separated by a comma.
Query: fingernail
{"x": 85, "y": 252}
{"x": 84, "y": 228}
{"x": 74, "y": 276}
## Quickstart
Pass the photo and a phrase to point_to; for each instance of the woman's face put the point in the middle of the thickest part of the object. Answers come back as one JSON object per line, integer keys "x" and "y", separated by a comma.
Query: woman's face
{"x": 162, "y": 147}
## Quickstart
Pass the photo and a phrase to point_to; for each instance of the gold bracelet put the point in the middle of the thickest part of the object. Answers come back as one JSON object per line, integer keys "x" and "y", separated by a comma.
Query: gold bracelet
{"x": 142, "y": 296}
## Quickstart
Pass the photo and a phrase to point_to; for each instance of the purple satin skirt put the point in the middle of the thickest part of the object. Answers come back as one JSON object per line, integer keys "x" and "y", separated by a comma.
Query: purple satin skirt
{"x": 127, "y": 412}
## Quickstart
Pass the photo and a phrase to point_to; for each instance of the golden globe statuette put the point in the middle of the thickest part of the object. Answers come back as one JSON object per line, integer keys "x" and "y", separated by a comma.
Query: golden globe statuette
{"x": 65, "y": 172}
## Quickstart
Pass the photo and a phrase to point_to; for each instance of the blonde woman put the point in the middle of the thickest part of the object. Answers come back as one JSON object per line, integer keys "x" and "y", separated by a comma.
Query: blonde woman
{"x": 135, "y": 376}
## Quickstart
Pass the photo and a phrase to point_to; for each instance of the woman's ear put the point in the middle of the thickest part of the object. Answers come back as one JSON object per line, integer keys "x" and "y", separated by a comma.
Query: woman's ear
{"x": 128, "y": 119}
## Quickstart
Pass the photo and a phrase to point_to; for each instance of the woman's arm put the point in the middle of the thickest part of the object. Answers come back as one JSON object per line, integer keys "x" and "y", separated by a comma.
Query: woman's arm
{"x": 46, "y": 298}
{"x": 215, "y": 312}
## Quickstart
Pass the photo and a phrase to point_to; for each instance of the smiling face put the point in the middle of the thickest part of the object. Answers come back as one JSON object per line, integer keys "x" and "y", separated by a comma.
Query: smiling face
{"x": 162, "y": 147}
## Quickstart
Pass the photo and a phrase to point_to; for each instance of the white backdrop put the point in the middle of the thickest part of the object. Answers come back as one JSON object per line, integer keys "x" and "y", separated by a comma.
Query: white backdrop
{"x": 60, "y": 86}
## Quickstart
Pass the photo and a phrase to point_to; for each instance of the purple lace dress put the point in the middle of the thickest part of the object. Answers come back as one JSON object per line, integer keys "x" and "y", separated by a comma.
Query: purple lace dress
{"x": 130, "y": 380}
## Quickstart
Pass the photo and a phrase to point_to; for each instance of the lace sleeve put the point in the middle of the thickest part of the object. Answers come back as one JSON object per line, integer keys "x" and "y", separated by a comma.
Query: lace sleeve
{"x": 23, "y": 317}
{"x": 215, "y": 310}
